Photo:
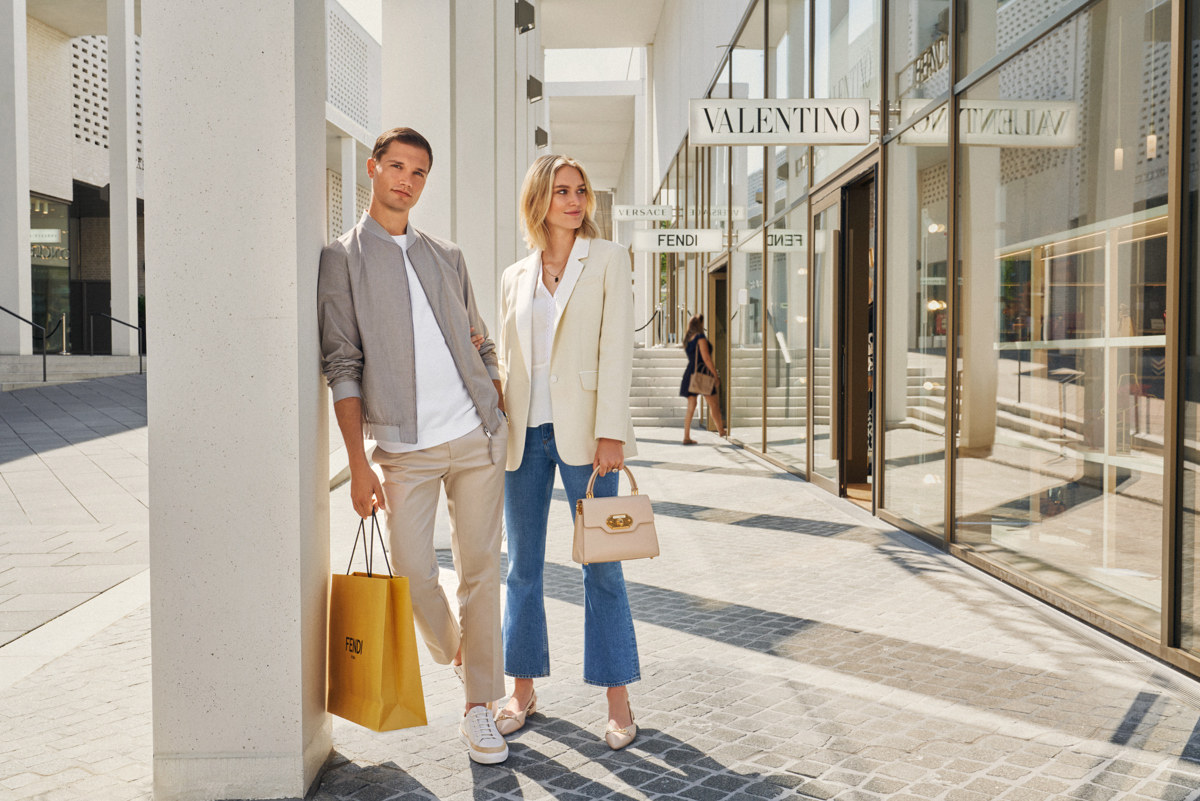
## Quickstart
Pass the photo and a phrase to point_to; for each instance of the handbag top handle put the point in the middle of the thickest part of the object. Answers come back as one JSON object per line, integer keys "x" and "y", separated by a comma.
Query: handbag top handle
{"x": 369, "y": 555}
{"x": 596, "y": 472}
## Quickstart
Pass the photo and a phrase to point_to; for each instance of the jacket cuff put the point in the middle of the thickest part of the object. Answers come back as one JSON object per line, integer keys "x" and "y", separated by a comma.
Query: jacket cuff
{"x": 494, "y": 372}
{"x": 346, "y": 388}
{"x": 604, "y": 432}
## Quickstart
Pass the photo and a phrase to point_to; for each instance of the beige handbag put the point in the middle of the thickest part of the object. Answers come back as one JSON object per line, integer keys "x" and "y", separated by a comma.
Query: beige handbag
{"x": 614, "y": 529}
{"x": 702, "y": 383}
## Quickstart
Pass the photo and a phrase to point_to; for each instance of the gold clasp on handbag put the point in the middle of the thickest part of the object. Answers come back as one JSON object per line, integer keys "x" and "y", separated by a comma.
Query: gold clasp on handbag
{"x": 619, "y": 521}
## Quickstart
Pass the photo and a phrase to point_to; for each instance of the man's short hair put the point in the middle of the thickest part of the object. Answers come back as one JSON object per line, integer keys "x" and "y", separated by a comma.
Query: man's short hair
{"x": 405, "y": 135}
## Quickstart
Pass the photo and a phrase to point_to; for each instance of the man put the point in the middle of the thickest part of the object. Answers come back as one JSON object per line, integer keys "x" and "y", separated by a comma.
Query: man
{"x": 396, "y": 316}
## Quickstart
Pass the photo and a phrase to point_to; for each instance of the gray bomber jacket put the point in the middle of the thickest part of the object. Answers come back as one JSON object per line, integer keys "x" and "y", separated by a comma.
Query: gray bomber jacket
{"x": 364, "y": 315}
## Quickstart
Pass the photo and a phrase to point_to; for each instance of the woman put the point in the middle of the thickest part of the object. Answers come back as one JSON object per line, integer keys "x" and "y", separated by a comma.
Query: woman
{"x": 566, "y": 358}
{"x": 694, "y": 342}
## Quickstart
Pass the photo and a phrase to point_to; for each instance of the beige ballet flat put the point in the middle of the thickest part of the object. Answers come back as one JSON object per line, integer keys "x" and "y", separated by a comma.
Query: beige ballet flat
{"x": 618, "y": 738}
{"x": 507, "y": 722}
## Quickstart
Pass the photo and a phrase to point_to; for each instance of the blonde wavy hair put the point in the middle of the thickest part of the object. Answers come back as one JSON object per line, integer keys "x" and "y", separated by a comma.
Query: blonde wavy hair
{"x": 535, "y": 201}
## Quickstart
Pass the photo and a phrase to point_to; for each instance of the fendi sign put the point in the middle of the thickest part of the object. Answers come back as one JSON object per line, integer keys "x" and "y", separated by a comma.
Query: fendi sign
{"x": 780, "y": 122}
{"x": 685, "y": 240}
{"x": 997, "y": 123}
{"x": 779, "y": 240}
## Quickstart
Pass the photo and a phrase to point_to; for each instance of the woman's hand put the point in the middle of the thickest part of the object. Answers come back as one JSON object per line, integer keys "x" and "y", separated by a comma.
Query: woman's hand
{"x": 476, "y": 339}
{"x": 610, "y": 455}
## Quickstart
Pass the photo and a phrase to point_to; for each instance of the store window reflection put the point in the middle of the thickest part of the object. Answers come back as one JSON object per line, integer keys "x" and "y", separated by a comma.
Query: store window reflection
{"x": 1062, "y": 347}
{"x": 747, "y": 76}
{"x": 919, "y": 51}
{"x": 991, "y": 27}
{"x": 50, "y": 251}
{"x": 787, "y": 339}
{"x": 914, "y": 422}
{"x": 826, "y": 233}
{"x": 747, "y": 313}
{"x": 845, "y": 65}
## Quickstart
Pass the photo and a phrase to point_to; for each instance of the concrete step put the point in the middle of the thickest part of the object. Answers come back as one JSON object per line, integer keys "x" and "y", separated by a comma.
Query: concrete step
{"x": 24, "y": 372}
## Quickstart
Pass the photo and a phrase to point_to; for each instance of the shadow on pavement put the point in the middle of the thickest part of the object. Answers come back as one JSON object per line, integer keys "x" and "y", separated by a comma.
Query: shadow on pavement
{"x": 685, "y": 767}
{"x": 43, "y": 419}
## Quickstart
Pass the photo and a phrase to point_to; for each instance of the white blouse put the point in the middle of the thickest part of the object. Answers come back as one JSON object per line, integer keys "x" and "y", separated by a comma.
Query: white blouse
{"x": 547, "y": 309}
{"x": 544, "y": 309}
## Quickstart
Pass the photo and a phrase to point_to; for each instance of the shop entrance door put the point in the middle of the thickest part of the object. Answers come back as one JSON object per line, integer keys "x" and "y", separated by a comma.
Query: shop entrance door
{"x": 842, "y": 292}
{"x": 718, "y": 335}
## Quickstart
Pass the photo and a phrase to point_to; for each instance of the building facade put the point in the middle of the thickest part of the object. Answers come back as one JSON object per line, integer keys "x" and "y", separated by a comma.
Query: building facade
{"x": 67, "y": 279}
{"x": 982, "y": 325}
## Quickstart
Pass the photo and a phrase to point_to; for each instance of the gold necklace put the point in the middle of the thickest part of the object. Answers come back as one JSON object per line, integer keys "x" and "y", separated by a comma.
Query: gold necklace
{"x": 557, "y": 276}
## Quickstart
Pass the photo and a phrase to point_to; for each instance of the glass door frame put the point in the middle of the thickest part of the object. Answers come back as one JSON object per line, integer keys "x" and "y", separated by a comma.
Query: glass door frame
{"x": 833, "y": 192}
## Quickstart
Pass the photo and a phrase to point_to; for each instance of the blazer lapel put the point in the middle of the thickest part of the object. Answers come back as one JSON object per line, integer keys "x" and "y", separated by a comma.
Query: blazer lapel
{"x": 524, "y": 306}
{"x": 575, "y": 265}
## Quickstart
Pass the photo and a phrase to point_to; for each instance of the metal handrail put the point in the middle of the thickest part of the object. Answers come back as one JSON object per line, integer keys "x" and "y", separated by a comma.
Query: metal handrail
{"x": 656, "y": 311}
{"x": 92, "y": 331}
{"x": 38, "y": 327}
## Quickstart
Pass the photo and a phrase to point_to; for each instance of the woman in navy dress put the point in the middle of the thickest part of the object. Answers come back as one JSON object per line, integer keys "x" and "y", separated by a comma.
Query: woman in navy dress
{"x": 699, "y": 351}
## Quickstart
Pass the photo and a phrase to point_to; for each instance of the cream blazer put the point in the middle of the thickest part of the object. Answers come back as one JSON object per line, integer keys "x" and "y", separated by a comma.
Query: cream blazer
{"x": 591, "y": 358}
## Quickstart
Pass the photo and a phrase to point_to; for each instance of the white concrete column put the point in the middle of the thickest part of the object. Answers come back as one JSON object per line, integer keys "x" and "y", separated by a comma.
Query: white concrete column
{"x": 239, "y": 475}
{"x": 450, "y": 72}
{"x": 15, "y": 285}
{"x": 475, "y": 139}
{"x": 418, "y": 80}
{"x": 122, "y": 167}
{"x": 349, "y": 183}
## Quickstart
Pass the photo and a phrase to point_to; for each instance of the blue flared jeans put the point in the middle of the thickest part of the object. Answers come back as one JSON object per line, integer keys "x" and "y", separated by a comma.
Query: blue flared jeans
{"x": 610, "y": 657}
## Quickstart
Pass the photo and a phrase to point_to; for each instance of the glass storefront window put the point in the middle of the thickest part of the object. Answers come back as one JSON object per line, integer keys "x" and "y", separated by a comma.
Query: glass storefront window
{"x": 50, "y": 251}
{"x": 787, "y": 339}
{"x": 789, "y": 72}
{"x": 914, "y": 386}
{"x": 746, "y": 273}
{"x": 845, "y": 64}
{"x": 1061, "y": 365}
{"x": 992, "y": 27}
{"x": 919, "y": 52}
{"x": 826, "y": 233}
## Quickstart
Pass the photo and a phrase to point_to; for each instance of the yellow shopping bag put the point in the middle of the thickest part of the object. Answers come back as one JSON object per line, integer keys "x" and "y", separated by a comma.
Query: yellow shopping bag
{"x": 374, "y": 675}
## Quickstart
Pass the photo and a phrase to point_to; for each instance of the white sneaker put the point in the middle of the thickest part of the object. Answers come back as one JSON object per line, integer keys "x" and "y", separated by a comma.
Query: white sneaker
{"x": 484, "y": 743}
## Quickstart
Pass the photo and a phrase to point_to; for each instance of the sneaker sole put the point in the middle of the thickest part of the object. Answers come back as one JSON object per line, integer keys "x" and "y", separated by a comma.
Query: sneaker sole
{"x": 482, "y": 759}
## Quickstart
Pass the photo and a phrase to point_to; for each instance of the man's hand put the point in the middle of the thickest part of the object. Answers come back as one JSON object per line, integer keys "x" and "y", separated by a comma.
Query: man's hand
{"x": 366, "y": 493}
{"x": 610, "y": 455}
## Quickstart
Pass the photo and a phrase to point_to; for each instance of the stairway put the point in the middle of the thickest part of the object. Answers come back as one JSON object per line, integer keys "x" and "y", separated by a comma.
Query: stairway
{"x": 25, "y": 372}
{"x": 787, "y": 400}
{"x": 654, "y": 397}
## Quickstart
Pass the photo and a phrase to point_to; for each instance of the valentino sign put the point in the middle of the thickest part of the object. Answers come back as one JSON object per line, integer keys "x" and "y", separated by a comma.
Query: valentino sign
{"x": 997, "y": 123}
{"x": 780, "y": 122}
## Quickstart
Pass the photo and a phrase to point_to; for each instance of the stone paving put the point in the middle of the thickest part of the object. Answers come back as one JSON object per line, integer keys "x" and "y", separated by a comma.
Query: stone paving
{"x": 74, "y": 496}
{"x": 792, "y": 647}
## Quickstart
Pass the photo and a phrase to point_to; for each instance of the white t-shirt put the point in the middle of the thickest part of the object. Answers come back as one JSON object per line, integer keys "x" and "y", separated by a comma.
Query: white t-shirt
{"x": 445, "y": 410}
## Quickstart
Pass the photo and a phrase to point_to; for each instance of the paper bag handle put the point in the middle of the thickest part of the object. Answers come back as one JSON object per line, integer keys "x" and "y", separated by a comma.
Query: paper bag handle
{"x": 596, "y": 472}
{"x": 369, "y": 554}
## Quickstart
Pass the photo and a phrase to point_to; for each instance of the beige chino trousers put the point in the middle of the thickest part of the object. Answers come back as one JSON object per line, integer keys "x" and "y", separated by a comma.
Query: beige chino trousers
{"x": 473, "y": 474}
